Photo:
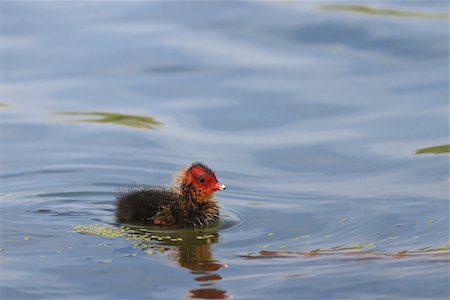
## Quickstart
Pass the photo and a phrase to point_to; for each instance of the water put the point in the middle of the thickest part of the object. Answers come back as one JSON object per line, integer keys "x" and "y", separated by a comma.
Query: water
{"x": 310, "y": 115}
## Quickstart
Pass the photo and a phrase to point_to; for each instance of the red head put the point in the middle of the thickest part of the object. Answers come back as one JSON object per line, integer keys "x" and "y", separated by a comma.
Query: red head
{"x": 203, "y": 181}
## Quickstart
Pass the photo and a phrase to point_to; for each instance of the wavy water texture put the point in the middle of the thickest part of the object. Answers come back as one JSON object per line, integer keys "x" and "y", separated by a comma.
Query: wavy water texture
{"x": 310, "y": 117}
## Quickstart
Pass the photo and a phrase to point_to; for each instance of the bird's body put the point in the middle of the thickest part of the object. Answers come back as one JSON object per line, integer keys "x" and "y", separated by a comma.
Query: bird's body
{"x": 189, "y": 203}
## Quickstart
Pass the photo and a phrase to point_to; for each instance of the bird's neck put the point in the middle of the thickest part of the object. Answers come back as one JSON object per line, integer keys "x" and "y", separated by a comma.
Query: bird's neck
{"x": 192, "y": 195}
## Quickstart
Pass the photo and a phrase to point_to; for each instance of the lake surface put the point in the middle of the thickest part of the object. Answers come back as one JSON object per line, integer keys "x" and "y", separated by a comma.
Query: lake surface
{"x": 310, "y": 114}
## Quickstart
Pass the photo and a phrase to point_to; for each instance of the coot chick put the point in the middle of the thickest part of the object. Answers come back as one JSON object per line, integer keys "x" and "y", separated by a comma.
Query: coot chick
{"x": 188, "y": 203}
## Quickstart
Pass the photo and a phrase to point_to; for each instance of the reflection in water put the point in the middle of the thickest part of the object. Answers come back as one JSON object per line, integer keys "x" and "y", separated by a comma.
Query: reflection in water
{"x": 136, "y": 121}
{"x": 364, "y": 9}
{"x": 195, "y": 254}
{"x": 208, "y": 294}
{"x": 192, "y": 251}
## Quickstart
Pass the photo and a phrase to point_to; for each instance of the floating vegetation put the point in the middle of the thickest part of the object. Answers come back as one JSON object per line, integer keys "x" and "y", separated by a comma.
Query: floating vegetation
{"x": 106, "y": 261}
{"x": 96, "y": 229}
{"x": 343, "y": 220}
{"x": 348, "y": 247}
{"x": 443, "y": 248}
{"x": 431, "y": 221}
{"x": 3, "y": 105}
{"x": 27, "y": 238}
{"x": 204, "y": 237}
{"x": 352, "y": 250}
{"x": 136, "y": 121}
{"x": 364, "y": 250}
{"x": 434, "y": 150}
{"x": 129, "y": 233}
{"x": 370, "y": 245}
{"x": 141, "y": 234}
{"x": 387, "y": 12}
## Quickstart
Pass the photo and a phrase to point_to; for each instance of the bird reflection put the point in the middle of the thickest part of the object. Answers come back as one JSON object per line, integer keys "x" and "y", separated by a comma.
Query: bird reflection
{"x": 191, "y": 249}
{"x": 195, "y": 253}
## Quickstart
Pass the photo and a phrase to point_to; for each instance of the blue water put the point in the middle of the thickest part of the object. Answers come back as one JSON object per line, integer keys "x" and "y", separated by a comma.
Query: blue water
{"x": 311, "y": 117}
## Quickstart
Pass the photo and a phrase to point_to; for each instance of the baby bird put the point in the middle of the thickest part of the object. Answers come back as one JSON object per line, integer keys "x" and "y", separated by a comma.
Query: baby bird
{"x": 188, "y": 203}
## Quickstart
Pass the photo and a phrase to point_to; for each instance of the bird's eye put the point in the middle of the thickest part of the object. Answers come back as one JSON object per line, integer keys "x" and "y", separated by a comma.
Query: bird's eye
{"x": 202, "y": 180}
